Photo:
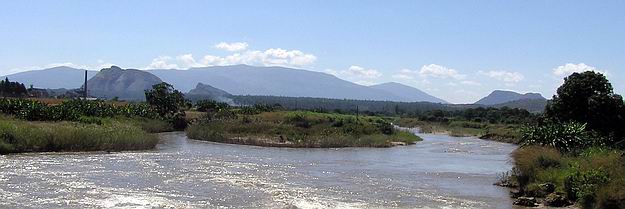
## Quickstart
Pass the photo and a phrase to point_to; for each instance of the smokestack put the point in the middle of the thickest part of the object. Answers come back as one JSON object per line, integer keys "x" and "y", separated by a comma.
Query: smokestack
{"x": 85, "y": 85}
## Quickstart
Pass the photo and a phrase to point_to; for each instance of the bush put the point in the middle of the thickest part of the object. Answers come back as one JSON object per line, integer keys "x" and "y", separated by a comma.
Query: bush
{"x": 566, "y": 137}
{"x": 582, "y": 186}
{"x": 211, "y": 106}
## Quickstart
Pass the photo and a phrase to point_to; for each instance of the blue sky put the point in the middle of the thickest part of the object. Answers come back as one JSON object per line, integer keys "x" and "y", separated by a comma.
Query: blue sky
{"x": 455, "y": 50}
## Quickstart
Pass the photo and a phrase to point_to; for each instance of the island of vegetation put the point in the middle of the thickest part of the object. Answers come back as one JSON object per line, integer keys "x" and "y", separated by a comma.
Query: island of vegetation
{"x": 266, "y": 125}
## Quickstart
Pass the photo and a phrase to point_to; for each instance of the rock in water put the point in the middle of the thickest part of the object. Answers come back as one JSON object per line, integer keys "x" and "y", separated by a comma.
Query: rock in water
{"x": 556, "y": 200}
{"x": 526, "y": 201}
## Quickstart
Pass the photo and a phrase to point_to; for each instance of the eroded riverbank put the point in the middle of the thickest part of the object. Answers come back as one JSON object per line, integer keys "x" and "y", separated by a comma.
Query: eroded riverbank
{"x": 439, "y": 172}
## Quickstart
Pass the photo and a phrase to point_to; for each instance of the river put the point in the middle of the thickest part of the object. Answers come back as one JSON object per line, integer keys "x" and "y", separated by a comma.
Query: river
{"x": 439, "y": 172}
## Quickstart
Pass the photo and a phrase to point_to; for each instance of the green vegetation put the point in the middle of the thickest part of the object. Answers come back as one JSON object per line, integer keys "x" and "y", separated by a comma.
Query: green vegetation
{"x": 111, "y": 135}
{"x": 262, "y": 126}
{"x": 169, "y": 103}
{"x": 574, "y": 152}
{"x": 594, "y": 178}
{"x": 499, "y": 124}
{"x": 71, "y": 110}
{"x": 81, "y": 125}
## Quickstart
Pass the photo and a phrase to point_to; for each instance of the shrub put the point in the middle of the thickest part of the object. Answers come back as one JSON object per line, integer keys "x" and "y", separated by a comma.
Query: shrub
{"x": 566, "y": 137}
{"x": 211, "y": 106}
{"x": 582, "y": 186}
{"x": 530, "y": 160}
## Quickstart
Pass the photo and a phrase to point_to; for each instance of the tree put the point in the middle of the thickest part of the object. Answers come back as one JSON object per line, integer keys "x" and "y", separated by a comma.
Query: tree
{"x": 588, "y": 98}
{"x": 12, "y": 89}
{"x": 166, "y": 101}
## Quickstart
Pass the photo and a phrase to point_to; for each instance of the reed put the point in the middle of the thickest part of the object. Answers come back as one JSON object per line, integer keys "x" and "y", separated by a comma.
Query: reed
{"x": 21, "y": 136}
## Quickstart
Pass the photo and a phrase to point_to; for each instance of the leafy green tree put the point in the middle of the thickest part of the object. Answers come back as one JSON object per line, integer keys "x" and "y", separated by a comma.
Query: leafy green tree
{"x": 588, "y": 98}
{"x": 167, "y": 102}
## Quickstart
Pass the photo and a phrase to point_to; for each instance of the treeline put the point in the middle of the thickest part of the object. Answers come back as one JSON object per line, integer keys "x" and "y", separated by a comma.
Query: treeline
{"x": 493, "y": 115}
{"x": 12, "y": 89}
{"x": 342, "y": 105}
{"x": 424, "y": 111}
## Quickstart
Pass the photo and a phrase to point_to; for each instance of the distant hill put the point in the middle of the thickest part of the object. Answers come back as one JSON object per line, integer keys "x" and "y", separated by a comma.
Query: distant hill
{"x": 128, "y": 84}
{"x": 203, "y": 91}
{"x": 52, "y": 78}
{"x": 275, "y": 81}
{"x": 500, "y": 97}
{"x": 410, "y": 94}
{"x": 532, "y": 105}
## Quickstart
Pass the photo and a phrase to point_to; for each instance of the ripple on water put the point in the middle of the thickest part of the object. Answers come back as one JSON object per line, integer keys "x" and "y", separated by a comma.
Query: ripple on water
{"x": 184, "y": 173}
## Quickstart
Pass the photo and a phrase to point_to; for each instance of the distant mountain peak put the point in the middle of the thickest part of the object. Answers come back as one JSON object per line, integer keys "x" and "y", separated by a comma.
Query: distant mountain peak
{"x": 504, "y": 96}
{"x": 127, "y": 84}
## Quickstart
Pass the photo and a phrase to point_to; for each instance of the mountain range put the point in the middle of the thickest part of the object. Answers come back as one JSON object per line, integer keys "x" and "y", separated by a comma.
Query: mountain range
{"x": 53, "y": 78}
{"x": 222, "y": 81}
{"x": 235, "y": 79}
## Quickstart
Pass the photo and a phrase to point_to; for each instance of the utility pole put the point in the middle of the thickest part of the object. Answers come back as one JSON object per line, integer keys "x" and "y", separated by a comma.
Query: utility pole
{"x": 85, "y": 89}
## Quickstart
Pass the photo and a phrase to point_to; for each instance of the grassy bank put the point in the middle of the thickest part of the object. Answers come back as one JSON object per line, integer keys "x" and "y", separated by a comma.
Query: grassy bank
{"x": 508, "y": 133}
{"x": 90, "y": 135}
{"x": 594, "y": 178}
{"x": 301, "y": 129}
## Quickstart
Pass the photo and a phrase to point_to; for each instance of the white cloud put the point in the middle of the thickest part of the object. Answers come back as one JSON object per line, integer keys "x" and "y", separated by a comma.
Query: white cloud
{"x": 232, "y": 47}
{"x": 362, "y": 72}
{"x": 269, "y": 57}
{"x": 187, "y": 60}
{"x": 405, "y": 74}
{"x": 505, "y": 76}
{"x": 357, "y": 74}
{"x": 470, "y": 83}
{"x": 162, "y": 62}
{"x": 570, "y": 68}
{"x": 437, "y": 71}
{"x": 365, "y": 83}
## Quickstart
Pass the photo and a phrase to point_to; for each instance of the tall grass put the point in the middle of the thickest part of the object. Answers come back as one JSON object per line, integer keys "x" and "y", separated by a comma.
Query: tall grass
{"x": 594, "y": 179}
{"x": 22, "y": 136}
{"x": 302, "y": 129}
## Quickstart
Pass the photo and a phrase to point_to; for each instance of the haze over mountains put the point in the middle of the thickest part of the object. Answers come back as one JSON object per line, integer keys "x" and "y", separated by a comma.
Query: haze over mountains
{"x": 237, "y": 80}
{"x": 222, "y": 81}
{"x": 53, "y": 78}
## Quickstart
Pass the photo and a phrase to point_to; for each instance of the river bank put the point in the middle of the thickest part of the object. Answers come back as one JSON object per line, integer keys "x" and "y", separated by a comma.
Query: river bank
{"x": 508, "y": 133}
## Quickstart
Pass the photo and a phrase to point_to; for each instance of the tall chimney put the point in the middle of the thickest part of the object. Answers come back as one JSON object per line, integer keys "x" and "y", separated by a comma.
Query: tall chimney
{"x": 85, "y": 85}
